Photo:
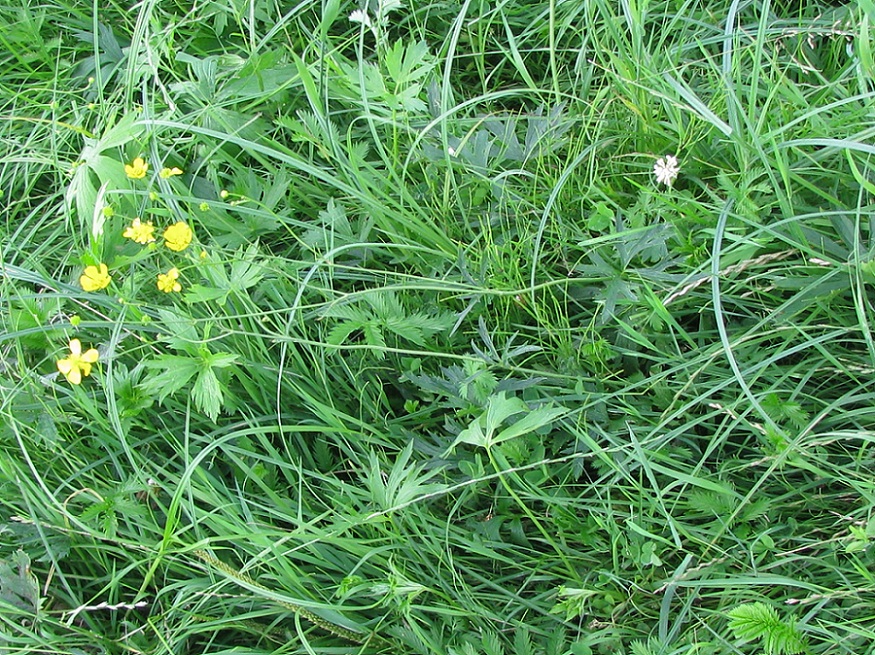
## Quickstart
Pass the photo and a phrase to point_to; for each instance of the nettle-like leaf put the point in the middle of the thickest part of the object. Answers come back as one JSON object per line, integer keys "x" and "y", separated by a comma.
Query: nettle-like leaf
{"x": 785, "y": 410}
{"x": 18, "y": 586}
{"x": 382, "y": 312}
{"x": 761, "y": 621}
{"x": 652, "y": 646}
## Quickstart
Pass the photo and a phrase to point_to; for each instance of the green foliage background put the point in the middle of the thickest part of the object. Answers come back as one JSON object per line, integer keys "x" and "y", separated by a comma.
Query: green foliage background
{"x": 450, "y": 371}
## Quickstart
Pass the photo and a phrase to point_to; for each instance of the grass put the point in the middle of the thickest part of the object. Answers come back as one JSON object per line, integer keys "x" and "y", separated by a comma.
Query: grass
{"x": 449, "y": 370}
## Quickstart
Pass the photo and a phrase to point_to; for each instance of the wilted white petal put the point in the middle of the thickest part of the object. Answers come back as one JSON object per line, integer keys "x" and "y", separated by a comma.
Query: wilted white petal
{"x": 359, "y": 16}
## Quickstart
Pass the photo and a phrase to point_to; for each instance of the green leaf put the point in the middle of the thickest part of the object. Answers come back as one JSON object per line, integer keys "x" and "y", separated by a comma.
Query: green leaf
{"x": 246, "y": 272}
{"x": 174, "y": 372}
{"x": 18, "y": 586}
{"x": 199, "y": 293}
{"x": 601, "y": 219}
{"x": 499, "y": 408}
{"x": 94, "y": 169}
{"x": 220, "y": 360}
{"x": 181, "y": 329}
{"x": 531, "y": 422}
{"x": 761, "y": 621}
{"x": 207, "y": 393}
{"x": 473, "y": 435}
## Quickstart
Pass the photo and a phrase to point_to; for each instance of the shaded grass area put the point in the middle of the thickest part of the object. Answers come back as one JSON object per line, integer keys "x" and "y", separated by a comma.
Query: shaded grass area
{"x": 449, "y": 371}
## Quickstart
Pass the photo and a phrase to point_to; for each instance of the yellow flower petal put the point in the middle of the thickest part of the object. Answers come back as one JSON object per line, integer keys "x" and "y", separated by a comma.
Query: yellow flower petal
{"x": 90, "y": 356}
{"x": 178, "y": 236}
{"x": 77, "y": 365}
{"x": 95, "y": 278}
{"x": 137, "y": 169}
{"x": 140, "y": 232}
{"x": 169, "y": 172}
{"x": 167, "y": 282}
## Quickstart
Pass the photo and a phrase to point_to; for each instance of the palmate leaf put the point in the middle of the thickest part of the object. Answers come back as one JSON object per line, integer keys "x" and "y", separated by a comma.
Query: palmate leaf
{"x": 408, "y": 64}
{"x": 403, "y": 484}
{"x": 761, "y": 621}
{"x": 169, "y": 374}
{"x": 383, "y": 312}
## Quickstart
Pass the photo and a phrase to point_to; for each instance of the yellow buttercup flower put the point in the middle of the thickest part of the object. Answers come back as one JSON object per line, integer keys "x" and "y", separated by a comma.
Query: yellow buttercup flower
{"x": 167, "y": 282}
{"x": 137, "y": 169}
{"x": 166, "y": 173}
{"x": 78, "y": 364}
{"x": 140, "y": 232}
{"x": 95, "y": 278}
{"x": 178, "y": 236}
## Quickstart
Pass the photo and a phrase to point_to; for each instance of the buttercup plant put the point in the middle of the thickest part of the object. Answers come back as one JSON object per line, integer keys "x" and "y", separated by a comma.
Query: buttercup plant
{"x": 168, "y": 282}
{"x": 142, "y": 233}
{"x": 178, "y": 236}
{"x": 462, "y": 369}
{"x": 77, "y": 364}
{"x": 137, "y": 169}
{"x": 95, "y": 278}
{"x": 167, "y": 173}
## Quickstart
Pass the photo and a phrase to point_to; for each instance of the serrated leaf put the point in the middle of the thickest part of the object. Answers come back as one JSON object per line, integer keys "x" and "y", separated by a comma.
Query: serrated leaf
{"x": 18, "y": 586}
{"x": 174, "y": 372}
{"x": 761, "y": 621}
{"x": 246, "y": 272}
{"x": 374, "y": 337}
{"x": 207, "y": 393}
{"x": 181, "y": 329}
{"x": 473, "y": 435}
{"x": 220, "y": 360}
{"x": 340, "y": 333}
{"x": 499, "y": 409}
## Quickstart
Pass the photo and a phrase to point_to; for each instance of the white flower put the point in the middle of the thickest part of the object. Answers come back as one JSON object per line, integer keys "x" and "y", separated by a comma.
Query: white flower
{"x": 359, "y": 16}
{"x": 666, "y": 169}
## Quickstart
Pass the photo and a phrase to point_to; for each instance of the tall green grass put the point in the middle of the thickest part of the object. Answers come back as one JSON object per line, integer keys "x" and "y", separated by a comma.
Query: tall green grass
{"x": 450, "y": 371}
